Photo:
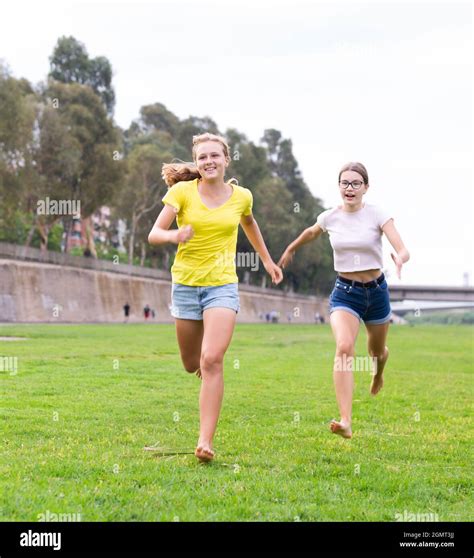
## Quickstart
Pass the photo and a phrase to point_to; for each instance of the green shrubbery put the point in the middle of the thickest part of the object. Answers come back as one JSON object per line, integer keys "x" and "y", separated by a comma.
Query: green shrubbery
{"x": 446, "y": 317}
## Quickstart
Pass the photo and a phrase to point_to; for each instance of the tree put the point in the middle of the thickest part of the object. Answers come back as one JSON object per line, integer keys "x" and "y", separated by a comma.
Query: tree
{"x": 248, "y": 162}
{"x": 313, "y": 264}
{"x": 142, "y": 193}
{"x": 88, "y": 163}
{"x": 18, "y": 111}
{"x": 283, "y": 163}
{"x": 193, "y": 126}
{"x": 58, "y": 160}
{"x": 159, "y": 126}
{"x": 70, "y": 63}
{"x": 157, "y": 117}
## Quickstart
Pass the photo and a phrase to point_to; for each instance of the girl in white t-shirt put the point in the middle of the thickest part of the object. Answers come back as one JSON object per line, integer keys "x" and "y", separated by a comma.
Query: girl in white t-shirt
{"x": 360, "y": 293}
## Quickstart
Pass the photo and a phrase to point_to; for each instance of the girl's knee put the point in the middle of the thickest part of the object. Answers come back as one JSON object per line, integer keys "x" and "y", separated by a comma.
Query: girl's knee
{"x": 377, "y": 352}
{"x": 212, "y": 361}
{"x": 191, "y": 364}
{"x": 344, "y": 347}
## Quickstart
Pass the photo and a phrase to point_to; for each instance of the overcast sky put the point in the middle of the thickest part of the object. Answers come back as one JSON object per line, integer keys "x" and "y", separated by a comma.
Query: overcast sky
{"x": 385, "y": 83}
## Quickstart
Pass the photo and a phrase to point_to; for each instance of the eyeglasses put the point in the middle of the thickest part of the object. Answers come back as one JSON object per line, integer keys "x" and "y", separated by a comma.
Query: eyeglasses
{"x": 356, "y": 184}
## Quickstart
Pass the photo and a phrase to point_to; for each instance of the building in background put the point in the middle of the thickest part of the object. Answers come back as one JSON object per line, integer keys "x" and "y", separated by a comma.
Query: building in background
{"x": 106, "y": 233}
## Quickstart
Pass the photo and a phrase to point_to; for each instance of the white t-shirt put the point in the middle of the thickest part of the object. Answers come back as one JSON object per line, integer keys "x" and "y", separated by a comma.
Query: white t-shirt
{"x": 355, "y": 237}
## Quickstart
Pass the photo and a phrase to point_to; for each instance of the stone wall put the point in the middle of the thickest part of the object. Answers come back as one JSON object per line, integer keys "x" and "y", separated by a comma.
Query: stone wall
{"x": 32, "y": 291}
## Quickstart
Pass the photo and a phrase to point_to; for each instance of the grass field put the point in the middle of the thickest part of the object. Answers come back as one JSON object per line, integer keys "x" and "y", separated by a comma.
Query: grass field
{"x": 74, "y": 427}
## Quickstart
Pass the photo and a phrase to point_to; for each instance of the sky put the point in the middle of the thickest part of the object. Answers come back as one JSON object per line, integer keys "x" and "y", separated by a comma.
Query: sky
{"x": 385, "y": 83}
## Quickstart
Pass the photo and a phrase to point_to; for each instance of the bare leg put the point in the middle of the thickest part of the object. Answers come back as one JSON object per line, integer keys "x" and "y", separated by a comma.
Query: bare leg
{"x": 377, "y": 337}
{"x": 189, "y": 334}
{"x": 218, "y": 329}
{"x": 345, "y": 327}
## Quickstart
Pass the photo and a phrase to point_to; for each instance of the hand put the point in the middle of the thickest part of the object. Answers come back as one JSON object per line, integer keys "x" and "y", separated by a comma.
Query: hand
{"x": 274, "y": 271}
{"x": 183, "y": 234}
{"x": 398, "y": 263}
{"x": 286, "y": 258}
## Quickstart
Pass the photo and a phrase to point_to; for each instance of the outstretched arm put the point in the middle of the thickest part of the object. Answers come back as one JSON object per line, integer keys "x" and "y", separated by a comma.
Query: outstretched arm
{"x": 252, "y": 232}
{"x": 401, "y": 255}
{"x": 309, "y": 234}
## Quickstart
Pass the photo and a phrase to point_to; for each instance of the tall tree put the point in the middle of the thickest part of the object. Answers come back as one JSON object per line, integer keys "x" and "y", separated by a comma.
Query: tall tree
{"x": 58, "y": 160}
{"x": 70, "y": 63}
{"x": 157, "y": 117}
{"x": 142, "y": 193}
{"x": 193, "y": 126}
{"x": 89, "y": 163}
{"x": 18, "y": 175}
{"x": 248, "y": 161}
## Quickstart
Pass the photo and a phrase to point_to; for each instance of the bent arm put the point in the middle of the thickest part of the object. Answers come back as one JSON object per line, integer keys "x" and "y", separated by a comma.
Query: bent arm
{"x": 306, "y": 236}
{"x": 395, "y": 240}
{"x": 309, "y": 234}
{"x": 160, "y": 234}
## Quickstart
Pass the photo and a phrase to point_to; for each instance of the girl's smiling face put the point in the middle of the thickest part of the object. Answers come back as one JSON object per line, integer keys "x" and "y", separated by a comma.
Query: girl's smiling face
{"x": 210, "y": 160}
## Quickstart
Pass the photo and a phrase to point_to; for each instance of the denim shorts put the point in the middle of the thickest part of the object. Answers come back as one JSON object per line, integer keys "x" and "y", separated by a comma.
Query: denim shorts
{"x": 188, "y": 303}
{"x": 370, "y": 303}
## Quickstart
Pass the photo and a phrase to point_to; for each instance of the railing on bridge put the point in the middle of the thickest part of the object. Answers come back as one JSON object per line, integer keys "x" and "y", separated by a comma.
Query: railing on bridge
{"x": 429, "y": 293}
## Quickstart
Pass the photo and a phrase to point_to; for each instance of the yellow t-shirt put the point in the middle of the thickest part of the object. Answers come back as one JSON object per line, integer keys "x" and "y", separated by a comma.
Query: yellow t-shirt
{"x": 208, "y": 259}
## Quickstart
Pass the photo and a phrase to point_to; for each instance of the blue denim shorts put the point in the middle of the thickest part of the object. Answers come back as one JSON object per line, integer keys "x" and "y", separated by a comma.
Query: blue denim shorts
{"x": 188, "y": 303}
{"x": 370, "y": 303}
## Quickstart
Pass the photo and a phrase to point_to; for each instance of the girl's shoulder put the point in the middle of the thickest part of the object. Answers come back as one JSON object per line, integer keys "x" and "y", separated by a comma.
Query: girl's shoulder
{"x": 184, "y": 185}
{"x": 379, "y": 215}
{"x": 324, "y": 218}
{"x": 242, "y": 191}
{"x": 331, "y": 210}
{"x": 373, "y": 208}
{"x": 328, "y": 212}
{"x": 376, "y": 212}
{"x": 182, "y": 191}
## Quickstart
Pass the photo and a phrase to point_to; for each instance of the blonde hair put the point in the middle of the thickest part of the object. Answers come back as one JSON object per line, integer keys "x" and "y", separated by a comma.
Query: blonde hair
{"x": 180, "y": 171}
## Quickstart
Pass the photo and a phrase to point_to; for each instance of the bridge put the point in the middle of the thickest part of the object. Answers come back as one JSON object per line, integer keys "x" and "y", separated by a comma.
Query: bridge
{"x": 431, "y": 294}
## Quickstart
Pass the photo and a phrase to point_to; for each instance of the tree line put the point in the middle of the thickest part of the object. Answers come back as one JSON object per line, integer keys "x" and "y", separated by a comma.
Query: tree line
{"x": 58, "y": 140}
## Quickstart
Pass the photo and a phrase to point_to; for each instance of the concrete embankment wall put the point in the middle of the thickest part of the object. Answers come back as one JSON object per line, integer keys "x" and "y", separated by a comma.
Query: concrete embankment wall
{"x": 32, "y": 291}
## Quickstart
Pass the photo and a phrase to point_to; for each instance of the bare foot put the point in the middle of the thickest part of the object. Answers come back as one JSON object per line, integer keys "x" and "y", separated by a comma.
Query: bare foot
{"x": 341, "y": 427}
{"x": 377, "y": 380}
{"x": 197, "y": 372}
{"x": 204, "y": 452}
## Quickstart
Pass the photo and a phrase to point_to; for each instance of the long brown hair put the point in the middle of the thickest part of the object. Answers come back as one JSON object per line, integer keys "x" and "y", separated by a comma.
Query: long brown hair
{"x": 357, "y": 167}
{"x": 181, "y": 171}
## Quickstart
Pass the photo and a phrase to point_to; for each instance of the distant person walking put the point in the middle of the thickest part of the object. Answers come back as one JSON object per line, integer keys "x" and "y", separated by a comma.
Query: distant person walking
{"x": 205, "y": 297}
{"x": 146, "y": 312}
{"x": 361, "y": 292}
{"x": 126, "y": 311}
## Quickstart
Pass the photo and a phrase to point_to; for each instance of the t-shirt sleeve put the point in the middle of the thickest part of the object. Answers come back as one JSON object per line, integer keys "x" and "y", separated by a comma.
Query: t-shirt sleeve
{"x": 174, "y": 197}
{"x": 249, "y": 202}
{"x": 382, "y": 216}
{"x": 321, "y": 220}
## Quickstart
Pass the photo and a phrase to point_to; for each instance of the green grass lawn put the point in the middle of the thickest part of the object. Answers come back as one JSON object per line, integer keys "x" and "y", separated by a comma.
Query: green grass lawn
{"x": 74, "y": 427}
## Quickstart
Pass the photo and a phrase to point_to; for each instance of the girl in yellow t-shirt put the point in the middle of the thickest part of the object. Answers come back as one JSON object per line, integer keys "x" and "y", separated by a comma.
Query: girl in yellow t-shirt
{"x": 205, "y": 298}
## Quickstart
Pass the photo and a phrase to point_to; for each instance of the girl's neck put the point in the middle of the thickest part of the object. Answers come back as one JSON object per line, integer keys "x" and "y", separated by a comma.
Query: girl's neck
{"x": 352, "y": 208}
{"x": 212, "y": 185}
